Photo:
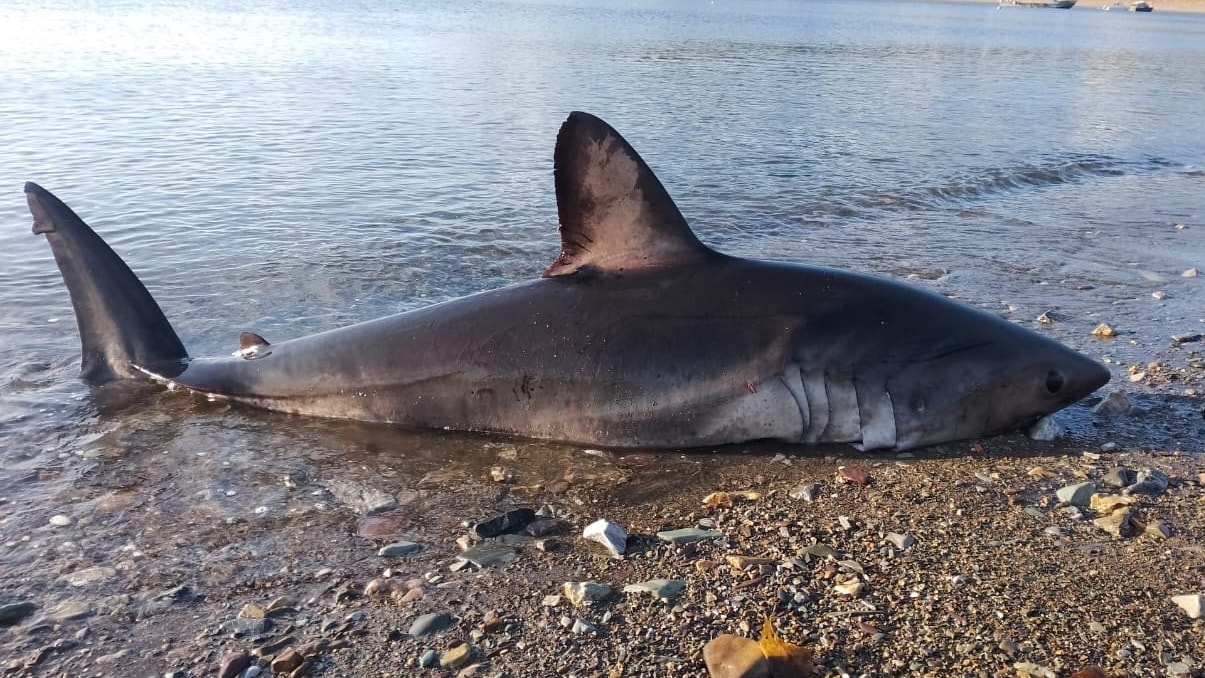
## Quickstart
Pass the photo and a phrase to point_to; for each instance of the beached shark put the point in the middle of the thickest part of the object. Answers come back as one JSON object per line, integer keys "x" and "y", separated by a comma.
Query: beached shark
{"x": 637, "y": 335}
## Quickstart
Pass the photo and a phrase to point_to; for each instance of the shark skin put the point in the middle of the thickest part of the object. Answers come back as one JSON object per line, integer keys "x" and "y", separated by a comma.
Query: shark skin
{"x": 637, "y": 335}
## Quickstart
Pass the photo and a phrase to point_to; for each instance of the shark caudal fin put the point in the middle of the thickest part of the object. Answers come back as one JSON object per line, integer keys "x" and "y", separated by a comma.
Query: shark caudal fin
{"x": 615, "y": 214}
{"x": 120, "y": 325}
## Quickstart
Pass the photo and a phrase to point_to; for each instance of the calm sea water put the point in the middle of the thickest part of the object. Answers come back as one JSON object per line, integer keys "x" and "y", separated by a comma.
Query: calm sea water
{"x": 285, "y": 167}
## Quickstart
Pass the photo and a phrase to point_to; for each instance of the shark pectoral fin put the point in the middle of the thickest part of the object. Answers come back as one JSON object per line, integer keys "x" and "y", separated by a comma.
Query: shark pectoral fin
{"x": 615, "y": 215}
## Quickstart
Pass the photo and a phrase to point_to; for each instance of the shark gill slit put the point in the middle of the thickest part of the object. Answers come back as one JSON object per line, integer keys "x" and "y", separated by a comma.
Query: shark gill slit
{"x": 792, "y": 378}
{"x": 817, "y": 400}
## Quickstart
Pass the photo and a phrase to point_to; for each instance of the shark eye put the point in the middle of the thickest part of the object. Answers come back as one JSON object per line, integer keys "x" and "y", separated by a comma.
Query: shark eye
{"x": 1054, "y": 381}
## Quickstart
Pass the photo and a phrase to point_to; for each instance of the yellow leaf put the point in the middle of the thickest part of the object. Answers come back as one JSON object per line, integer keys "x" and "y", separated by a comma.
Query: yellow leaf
{"x": 786, "y": 660}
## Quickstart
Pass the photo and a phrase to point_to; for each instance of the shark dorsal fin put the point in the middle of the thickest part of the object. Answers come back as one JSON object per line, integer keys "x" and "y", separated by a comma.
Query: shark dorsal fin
{"x": 615, "y": 215}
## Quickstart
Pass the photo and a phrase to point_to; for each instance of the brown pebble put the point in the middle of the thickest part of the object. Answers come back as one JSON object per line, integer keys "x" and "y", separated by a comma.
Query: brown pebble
{"x": 1090, "y": 672}
{"x": 287, "y": 661}
{"x": 854, "y": 476}
{"x": 456, "y": 656}
{"x": 380, "y": 526}
{"x": 492, "y": 621}
{"x": 234, "y": 664}
{"x": 729, "y": 656}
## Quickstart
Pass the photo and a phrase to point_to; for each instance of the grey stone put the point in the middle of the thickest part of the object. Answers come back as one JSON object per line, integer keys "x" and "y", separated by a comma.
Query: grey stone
{"x": 486, "y": 555}
{"x": 89, "y": 575}
{"x": 429, "y": 659}
{"x": 820, "y": 551}
{"x": 364, "y": 499}
{"x": 247, "y": 626}
{"x": 430, "y": 623}
{"x": 13, "y": 613}
{"x": 1078, "y": 494}
{"x": 399, "y": 549}
{"x": 665, "y": 589}
{"x": 582, "y": 626}
{"x": 1120, "y": 477}
{"x": 1150, "y": 481}
{"x": 902, "y": 542}
{"x": 1046, "y": 429}
{"x": 1186, "y": 337}
{"x": 806, "y": 492}
{"x": 1115, "y": 402}
{"x": 688, "y": 534}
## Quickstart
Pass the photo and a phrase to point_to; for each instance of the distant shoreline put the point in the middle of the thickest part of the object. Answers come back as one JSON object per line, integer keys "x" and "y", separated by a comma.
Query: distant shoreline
{"x": 1193, "y": 6}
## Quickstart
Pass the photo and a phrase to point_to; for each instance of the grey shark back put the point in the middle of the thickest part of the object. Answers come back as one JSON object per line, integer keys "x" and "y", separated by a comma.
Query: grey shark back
{"x": 637, "y": 335}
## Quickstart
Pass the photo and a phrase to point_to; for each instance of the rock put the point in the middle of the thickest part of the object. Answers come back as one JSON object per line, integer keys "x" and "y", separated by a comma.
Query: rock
{"x": 233, "y": 664}
{"x": 456, "y": 656}
{"x": 1185, "y": 338}
{"x": 665, "y": 589}
{"x": 485, "y": 555}
{"x": 501, "y": 474}
{"x": 287, "y": 661}
{"x": 1103, "y": 331}
{"x": 819, "y": 551}
{"x": 729, "y": 656}
{"x": 853, "y": 587}
{"x": 252, "y": 611}
{"x": 610, "y": 535}
{"x": 399, "y": 549}
{"x": 1190, "y": 273}
{"x": 430, "y": 623}
{"x": 246, "y": 626}
{"x": 428, "y": 659}
{"x": 1030, "y": 670}
{"x": 807, "y": 492}
{"x": 1046, "y": 429}
{"x": 582, "y": 626}
{"x": 1158, "y": 529}
{"x": 1079, "y": 494}
{"x": 1120, "y": 477}
{"x": 1119, "y": 523}
{"x": 902, "y": 542}
{"x": 550, "y": 601}
{"x": 13, "y": 613}
{"x": 366, "y": 500}
{"x": 380, "y": 526}
{"x": 1179, "y": 670}
{"x": 1107, "y": 503}
{"x": 741, "y": 563}
{"x": 1191, "y": 604}
{"x": 1115, "y": 402}
{"x": 1150, "y": 481}
{"x": 61, "y": 520}
{"x": 510, "y": 521}
{"x": 578, "y": 592}
{"x": 853, "y": 476}
{"x": 688, "y": 534}
{"x": 88, "y": 575}
{"x": 542, "y": 527}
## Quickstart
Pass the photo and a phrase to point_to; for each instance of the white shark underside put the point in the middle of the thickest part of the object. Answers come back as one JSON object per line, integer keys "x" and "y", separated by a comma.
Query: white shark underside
{"x": 637, "y": 335}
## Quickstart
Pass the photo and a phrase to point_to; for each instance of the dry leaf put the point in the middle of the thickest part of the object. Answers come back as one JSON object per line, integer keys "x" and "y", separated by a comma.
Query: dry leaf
{"x": 718, "y": 500}
{"x": 786, "y": 660}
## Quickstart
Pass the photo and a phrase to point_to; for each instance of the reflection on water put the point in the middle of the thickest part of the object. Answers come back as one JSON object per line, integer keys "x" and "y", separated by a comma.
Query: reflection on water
{"x": 292, "y": 167}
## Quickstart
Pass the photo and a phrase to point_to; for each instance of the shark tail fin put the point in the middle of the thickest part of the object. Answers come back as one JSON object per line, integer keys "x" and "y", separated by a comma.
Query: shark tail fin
{"x": 123, "y": 331}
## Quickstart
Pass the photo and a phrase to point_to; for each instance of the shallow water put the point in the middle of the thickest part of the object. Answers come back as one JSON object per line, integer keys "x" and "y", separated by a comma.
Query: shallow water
{"x": 284, "y": 170}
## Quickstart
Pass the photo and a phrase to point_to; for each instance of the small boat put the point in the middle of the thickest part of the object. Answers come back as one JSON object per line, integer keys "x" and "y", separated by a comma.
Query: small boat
{"x": 1141, "y": 6}
{"x": 1054, "y": 4}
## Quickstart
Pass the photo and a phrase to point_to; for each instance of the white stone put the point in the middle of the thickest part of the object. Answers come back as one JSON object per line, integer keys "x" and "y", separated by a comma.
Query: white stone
{"x": 1191, "y": 604}
{"x": 614, "y": 537}
{"x": 579, "y": 592}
